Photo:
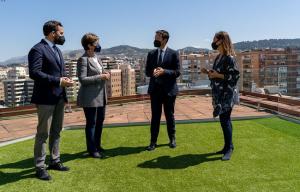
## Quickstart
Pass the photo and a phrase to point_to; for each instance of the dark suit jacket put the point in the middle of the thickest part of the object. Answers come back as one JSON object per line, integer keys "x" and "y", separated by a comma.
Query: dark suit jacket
{"x": 46, "y": 70}
{"x": 166, "y": 82}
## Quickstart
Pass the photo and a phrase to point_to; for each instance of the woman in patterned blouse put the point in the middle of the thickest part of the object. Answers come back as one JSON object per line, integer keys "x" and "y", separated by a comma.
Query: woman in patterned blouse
{"x": 224, "y": 77}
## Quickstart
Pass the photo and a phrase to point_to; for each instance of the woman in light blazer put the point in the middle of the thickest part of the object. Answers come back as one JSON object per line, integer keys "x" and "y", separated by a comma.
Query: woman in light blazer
{"x": 92, "y": 93}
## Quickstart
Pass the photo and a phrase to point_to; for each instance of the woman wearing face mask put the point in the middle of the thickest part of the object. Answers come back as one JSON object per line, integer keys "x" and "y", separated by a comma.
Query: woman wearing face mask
{"x": 224, "y": 77}
{"x": 92, "y": 93}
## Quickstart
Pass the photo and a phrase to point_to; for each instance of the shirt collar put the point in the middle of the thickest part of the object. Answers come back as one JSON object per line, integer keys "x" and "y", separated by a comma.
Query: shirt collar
{"x": 49, "y": 42}
{"x": 164, "y": 49}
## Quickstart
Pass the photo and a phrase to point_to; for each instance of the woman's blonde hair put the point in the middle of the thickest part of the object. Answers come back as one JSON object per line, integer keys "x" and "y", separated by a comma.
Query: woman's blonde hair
{"x": 226, "y": 42}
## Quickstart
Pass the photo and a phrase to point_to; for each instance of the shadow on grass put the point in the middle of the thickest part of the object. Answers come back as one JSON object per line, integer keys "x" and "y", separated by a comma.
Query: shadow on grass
{"x": 178, "y": 162}
{"x": 122, "y": 151}
{"x": 27, "y": 169}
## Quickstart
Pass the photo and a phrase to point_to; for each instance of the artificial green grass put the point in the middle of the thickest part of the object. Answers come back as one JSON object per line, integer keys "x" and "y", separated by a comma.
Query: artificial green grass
{"x": 266, "y": 158}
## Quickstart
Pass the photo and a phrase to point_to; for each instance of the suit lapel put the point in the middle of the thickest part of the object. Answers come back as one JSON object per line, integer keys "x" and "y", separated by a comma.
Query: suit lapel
{"x": 93, "y": 64}
{"x": 165, "y": 57}
{"x": 53, "y": 55}
{"x": 100, "y": 62}
{"x": 60, "y": 62}
{"x": 156, "y": 57}
{"x": 103, "y": 71}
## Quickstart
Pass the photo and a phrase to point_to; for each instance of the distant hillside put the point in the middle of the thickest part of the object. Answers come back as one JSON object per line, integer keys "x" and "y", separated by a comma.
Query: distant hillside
{"x": 126, "y": 51}
{"x": 188, "y": 50}
{"x": 267, "y": 43}
{"x": 129, "y": 51}
{"x": 15, "y": 60}
{"x": 121, "y": 50}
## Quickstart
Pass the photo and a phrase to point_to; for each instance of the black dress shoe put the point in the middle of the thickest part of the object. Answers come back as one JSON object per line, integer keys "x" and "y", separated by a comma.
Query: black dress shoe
{"x": 172, "y": 143}
{"x": 223, "y": 151}
{"x": 151, "y": 147}
{"x": 58, "y": 167}
{"x": 227, "y": 155}
{"x": 43, "y": 174}
{"x": 101, "y": 150}
{"x": 96, "y": 155}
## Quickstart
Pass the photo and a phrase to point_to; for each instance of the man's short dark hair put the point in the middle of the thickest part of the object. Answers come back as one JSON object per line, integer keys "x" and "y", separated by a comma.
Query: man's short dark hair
{"x": 50, "y": 26}
{"x": 164, "y": 34}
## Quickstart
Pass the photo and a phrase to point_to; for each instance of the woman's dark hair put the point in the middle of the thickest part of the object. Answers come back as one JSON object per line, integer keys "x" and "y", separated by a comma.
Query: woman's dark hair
{"x": 88, "y": 39}
{"x": 50, "y": 26}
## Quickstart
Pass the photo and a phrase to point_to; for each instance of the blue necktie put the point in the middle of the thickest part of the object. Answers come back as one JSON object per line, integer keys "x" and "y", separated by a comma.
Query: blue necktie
{"x": 56, "y": 52}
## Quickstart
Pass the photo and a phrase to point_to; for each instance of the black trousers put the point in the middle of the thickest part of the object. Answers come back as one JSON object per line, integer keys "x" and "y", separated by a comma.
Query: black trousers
{"x": 93, "y": 129}
{"x": 158, "y": 100}
{"x": 225, "y": 120}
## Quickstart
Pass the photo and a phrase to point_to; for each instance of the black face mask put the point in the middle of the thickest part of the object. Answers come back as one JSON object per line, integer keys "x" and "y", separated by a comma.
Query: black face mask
{"x": 60, "y": 40}
{"x": 157, "y": 43}
{"x": 214, "y": 46}
{"x": 98, "y": 48}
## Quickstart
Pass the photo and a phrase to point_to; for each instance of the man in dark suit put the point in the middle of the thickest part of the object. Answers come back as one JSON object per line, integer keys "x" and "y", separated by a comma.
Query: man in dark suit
{"x": 163, "y": 69}
{"x": 47, "y": 69}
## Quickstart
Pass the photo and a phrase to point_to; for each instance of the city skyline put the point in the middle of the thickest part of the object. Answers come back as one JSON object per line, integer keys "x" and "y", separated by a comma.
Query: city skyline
{"x": 190, "y": 23}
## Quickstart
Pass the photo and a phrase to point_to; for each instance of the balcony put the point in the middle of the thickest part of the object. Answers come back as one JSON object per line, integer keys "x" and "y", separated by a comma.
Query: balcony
{"x": 191, "y": 106}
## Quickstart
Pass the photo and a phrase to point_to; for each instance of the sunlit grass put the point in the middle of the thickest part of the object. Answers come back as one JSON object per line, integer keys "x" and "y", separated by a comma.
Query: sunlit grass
{"x": 266, "y": 158}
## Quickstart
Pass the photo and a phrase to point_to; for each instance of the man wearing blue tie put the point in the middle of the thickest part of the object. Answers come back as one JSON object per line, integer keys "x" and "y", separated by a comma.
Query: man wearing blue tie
{"x": 47, "y": 69}
{"x": 163, "y": 68}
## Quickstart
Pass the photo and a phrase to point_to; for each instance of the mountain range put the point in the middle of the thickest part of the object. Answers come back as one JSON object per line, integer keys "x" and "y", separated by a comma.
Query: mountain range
{"x": 129, "y": 51}
{"x": 267, "y": 43}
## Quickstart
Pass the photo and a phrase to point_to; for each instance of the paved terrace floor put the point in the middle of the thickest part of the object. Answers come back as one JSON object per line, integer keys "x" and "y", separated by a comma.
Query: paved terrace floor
{"x": 186, "y": 108}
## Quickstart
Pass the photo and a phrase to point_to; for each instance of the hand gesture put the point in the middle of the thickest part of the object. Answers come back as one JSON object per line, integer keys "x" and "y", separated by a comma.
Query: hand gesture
{"x": 158, "y": 72}
{"x": 212, "y": 74}
{"x": 66, "y": 82}
{"x": 105, "y": 76}
{"x": 204, "y": 70}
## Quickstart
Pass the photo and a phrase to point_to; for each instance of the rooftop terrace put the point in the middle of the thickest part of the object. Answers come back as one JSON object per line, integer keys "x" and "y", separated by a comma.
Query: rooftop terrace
{"x": 190, "y": 106}
{"x": 266, "y": 158}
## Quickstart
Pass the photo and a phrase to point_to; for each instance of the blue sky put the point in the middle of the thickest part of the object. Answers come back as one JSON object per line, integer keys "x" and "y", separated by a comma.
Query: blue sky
{"x": 133, "y": 22}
